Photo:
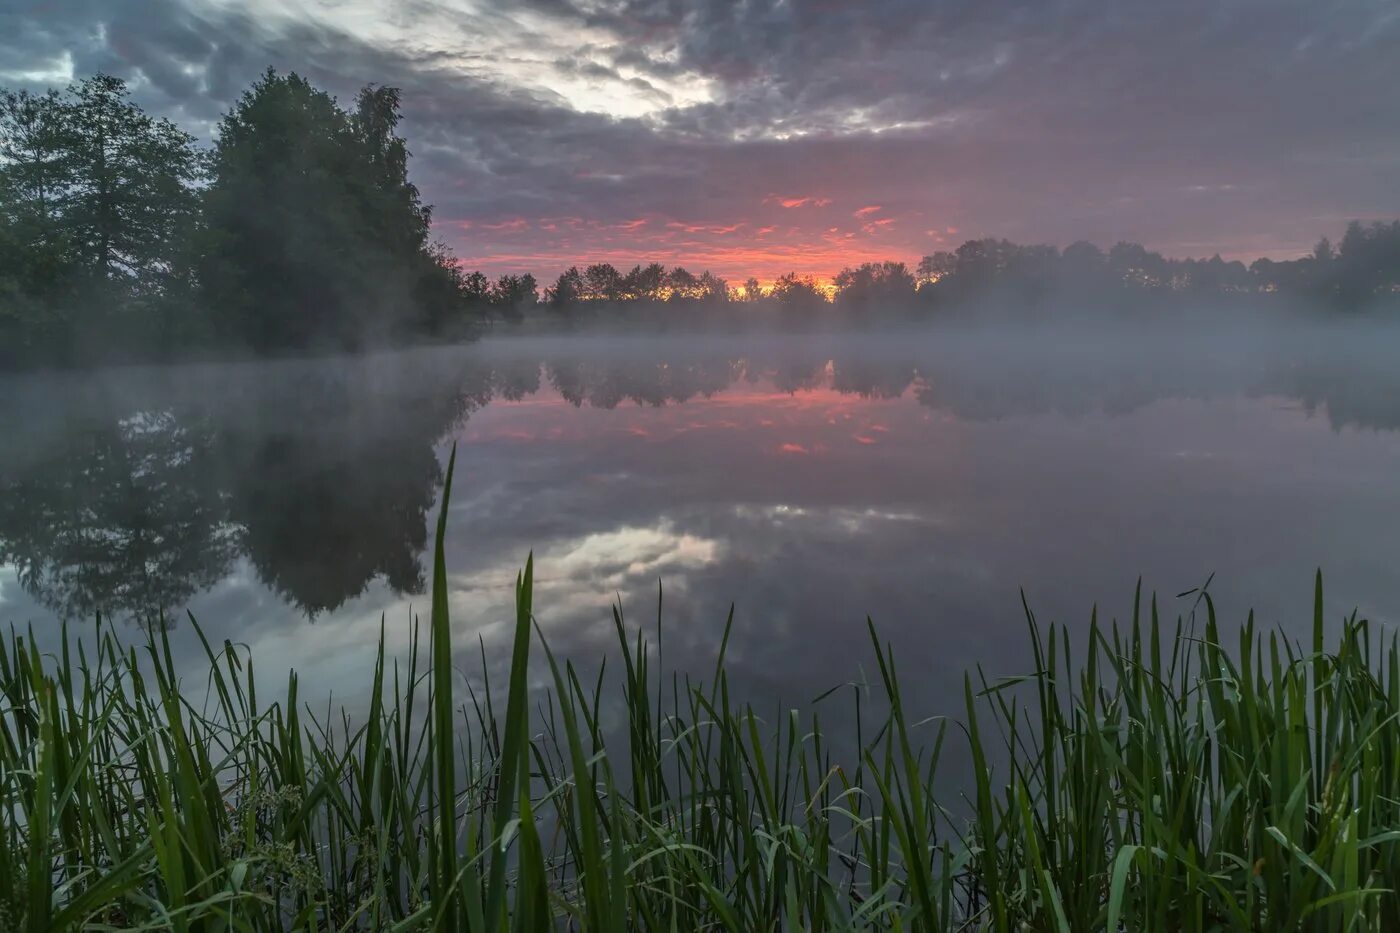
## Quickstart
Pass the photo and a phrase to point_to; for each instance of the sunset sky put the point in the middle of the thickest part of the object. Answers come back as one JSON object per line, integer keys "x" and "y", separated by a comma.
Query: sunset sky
{"x": 762, "y": 136}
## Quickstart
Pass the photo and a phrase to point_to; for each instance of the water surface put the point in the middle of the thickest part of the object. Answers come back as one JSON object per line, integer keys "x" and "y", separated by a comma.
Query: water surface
{"x": 922, "y": 480}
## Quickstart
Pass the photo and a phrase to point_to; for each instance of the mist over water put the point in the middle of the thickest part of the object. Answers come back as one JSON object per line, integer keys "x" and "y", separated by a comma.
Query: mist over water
{"x": 918, "y": 476}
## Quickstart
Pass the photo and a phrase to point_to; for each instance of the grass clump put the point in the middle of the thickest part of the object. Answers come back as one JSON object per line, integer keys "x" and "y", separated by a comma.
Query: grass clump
{"x": 1158, "y": 778}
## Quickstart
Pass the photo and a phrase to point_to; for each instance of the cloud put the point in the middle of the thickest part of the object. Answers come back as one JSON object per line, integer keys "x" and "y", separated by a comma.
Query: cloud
{"x": 789, "y": 203}
{"x": 1237, "y": 126}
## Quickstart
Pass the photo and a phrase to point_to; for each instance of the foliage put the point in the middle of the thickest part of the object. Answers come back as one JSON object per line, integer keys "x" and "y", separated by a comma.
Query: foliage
{"x": 1169, "y": 782}
{"x": 119, "y": 237}
{"x": 96, "y": 205}
{"x": 796, "y": 293}
{"x": 512, "y": 295}
{"x": 874, "y": 285}
{"x": 314, "y": 232}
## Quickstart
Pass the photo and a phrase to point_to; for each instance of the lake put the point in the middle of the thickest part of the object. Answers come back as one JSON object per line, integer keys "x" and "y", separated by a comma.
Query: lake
{"x": 922, "y": 479}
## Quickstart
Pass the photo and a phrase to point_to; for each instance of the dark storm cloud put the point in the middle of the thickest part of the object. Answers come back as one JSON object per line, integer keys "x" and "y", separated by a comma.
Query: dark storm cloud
{"x": 1243, "y": 126}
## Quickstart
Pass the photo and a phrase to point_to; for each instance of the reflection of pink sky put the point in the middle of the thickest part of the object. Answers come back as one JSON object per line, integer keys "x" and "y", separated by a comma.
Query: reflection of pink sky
{"x": 804, "y": 423}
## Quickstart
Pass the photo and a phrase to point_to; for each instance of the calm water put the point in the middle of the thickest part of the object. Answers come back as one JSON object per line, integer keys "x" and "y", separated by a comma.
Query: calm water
{"x": 811, "y": 481}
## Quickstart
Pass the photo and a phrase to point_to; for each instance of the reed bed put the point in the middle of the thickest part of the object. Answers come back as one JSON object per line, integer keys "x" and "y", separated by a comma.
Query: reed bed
{"x": 1159, "y": 776}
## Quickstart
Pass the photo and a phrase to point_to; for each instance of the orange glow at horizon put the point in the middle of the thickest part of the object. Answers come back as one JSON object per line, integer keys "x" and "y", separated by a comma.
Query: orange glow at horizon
{"x": 812, "y": 235}
{"x": 820, "y": 261}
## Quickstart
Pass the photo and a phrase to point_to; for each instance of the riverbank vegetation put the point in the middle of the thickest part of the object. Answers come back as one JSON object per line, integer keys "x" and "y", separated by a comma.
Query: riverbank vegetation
{"x": 1141, "y": 775}
{"x": 298, "y": 229}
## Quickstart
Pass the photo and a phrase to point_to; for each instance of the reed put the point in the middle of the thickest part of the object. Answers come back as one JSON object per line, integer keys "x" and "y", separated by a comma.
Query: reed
{"x": 1159, "y": 776}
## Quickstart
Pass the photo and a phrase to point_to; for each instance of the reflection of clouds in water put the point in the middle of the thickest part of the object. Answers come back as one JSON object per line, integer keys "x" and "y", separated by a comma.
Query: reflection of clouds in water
{"x": 578, "y": 578}
{"x": 611, "y": 558}
{"x": 847, "y": 520}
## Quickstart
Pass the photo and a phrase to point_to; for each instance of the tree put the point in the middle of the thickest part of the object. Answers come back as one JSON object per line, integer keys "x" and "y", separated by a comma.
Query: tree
{"x": 792, "y": 292}
{"x": 752, "y": 290}
{"x": 567, "y": 290}
{"x": 936, "y": 267}
{"x": 712, "y": 288}
{"x": 32, "y": 142}
{"x": 874, "y": 284}
{"x": 315, "y": 234}
{"x": 602, "y": 283}
{"x": 100, "y": 197}
{"x": 1367, "y": 263}
{"x": 513, "y": 294}
{"x": 476, "y": 287}
{"x": 644, "y": 283}
{"x": 128, "y": 197}
{"x": 39, "y": 270}
{"x": 681, "y": 285}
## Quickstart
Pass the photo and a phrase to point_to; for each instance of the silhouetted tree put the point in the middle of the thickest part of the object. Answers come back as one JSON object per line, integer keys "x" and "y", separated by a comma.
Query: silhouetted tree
{"x": 1367, "y": 264}
{"x": 512, "y": 295}
{"x": 713, "y": 289}
{"x": 315, "y": 233}
{"x": 567, "y": 290}
{"x": 936, "y": 267}
{"x": 602, "y": 283}
{"x": 795, "y": 293}
{"x": 870, "y": 285}
{"x": 681, "y": 285}
{"x": 644, "y": 283}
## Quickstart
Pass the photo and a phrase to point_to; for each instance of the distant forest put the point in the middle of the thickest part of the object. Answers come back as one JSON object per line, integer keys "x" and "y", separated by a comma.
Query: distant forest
{"x": 122, "y": 238}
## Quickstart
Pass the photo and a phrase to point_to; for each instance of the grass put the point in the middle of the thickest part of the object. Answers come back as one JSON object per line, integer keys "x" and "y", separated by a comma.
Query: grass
{"x": 1153, "y": 778}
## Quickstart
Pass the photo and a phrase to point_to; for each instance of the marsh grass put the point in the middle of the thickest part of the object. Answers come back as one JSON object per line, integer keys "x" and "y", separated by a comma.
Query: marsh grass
{"x": 1155, "y": 777}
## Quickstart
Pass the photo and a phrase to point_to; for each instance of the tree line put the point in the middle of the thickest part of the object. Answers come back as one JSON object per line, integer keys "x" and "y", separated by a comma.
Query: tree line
{"x": 298, "y": 228}
{"x": 1363, "y": 269}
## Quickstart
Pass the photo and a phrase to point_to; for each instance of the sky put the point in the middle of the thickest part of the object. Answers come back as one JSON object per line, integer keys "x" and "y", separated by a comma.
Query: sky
{"x": 757, "y": 137}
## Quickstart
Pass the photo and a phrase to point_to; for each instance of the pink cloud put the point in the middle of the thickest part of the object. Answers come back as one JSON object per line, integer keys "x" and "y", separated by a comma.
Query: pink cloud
{"x": 797, "y": 202}
{"x": 867, "y": 211}
{"x": 514, "y": 225}
{"x": 713, "y": 229}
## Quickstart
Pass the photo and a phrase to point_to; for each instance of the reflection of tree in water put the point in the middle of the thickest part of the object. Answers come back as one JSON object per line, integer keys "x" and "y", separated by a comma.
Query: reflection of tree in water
{"x": 323, "y": 481}
{"x": 608, "y": 383}
{"x": 334, "y": 479}
{"x": 794, "y": 374}
{"x": 514, "y": 380}
{"x": 1358, "y": 395}
{"x": 125, "y": 517}
{"x": 323, "y": 522}
{"x": 988, "y": 383}
{"x": 879, "y": 379}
